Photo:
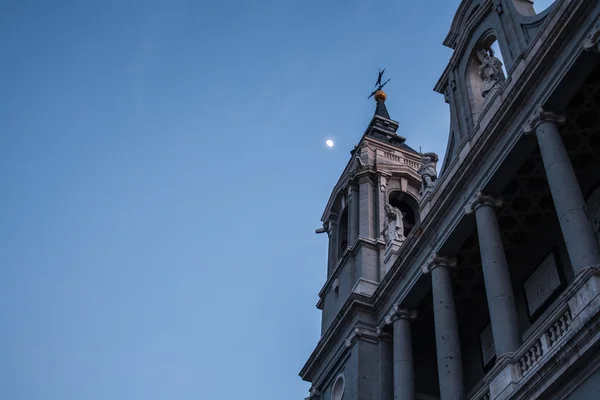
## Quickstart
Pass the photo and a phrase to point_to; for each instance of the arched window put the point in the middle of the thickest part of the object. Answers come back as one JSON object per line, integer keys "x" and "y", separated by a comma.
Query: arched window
{"x": 531, "y": 7}
{"x": 343, "y": 233}
{"x": 485, "y": 74}
{"x": 409, "y": 208}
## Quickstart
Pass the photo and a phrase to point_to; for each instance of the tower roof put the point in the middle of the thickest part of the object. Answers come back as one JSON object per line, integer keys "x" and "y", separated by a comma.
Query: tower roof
{"x": 382, "y": 127}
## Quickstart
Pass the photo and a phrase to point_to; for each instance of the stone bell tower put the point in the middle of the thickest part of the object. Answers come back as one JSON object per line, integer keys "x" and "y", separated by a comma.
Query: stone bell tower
{"x": 370, "y": 214}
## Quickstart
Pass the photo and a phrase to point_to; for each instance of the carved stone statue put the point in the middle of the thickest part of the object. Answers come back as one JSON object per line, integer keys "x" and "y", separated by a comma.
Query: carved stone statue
{"x": 428, "y": 172}
{"x": 490, "y": 71}
{"x": 393, "y": 225}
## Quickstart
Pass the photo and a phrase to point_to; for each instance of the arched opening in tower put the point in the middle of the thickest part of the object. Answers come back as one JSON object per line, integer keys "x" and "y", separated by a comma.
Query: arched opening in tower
{"x": 408, "y": 206}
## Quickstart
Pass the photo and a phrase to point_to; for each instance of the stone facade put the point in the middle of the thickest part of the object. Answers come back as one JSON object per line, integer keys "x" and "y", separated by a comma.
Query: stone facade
{"x": 482, "y": 283}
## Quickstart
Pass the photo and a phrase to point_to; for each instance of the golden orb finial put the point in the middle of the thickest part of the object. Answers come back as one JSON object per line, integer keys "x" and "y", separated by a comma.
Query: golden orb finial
{"x": 380, "y": 95}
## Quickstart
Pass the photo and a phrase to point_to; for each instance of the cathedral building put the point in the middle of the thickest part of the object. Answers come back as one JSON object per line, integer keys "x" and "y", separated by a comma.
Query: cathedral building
{"x": 477, "y": 279}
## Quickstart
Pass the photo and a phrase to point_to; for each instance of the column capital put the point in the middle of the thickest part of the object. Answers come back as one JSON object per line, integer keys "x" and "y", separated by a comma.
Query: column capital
{"x": 540, "y": 115}
{"x": 400, "y": 313}
{"x": 482, "y": 199}
{"x": 438, "y": 261}
{"x": 592, "y": 42}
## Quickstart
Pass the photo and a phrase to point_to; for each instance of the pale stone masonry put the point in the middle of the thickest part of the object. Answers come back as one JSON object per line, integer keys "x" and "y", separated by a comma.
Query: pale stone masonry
{"x": 482, "y": 283}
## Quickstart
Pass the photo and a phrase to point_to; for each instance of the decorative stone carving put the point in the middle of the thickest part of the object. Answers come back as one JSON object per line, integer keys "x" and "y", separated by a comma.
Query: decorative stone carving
{"x": 428, "y": 172}
{"x": 592, "y": 43}
{"x": 482, "y": 199}
{"x": 314, "y": 394}
{"x": 382, "y": 183}
{"x": 540, "y": 115}
{"x": 490, "y": 71}
{"x": 393, "y": 225}
{"x": 397, "y": 312}
{"x": 438, "y": 261}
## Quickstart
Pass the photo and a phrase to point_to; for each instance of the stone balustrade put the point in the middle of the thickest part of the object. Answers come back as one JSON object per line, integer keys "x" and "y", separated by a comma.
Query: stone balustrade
{"x": 579, "y": 303}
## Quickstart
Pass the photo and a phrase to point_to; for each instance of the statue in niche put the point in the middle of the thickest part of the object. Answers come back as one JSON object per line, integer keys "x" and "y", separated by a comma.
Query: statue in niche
{"x": 393, "y": 225}
{"x": 490, "y": 71}
{"x": 428, "y": 172}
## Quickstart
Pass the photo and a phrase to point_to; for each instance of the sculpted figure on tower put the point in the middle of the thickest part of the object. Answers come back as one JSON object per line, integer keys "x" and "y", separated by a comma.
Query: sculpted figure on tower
{"x": 490, "y": 71}
{"x": 428, "y": 172}
{"x": 393, "y": 226}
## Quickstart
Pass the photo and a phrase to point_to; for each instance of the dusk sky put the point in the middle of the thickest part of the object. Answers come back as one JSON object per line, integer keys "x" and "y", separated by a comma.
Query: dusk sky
{"x": 163, "y": 169}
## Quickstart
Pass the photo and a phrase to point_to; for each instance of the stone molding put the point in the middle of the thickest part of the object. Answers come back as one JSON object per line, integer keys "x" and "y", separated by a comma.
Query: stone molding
{"x": 365, "y": 287}
{"x": 400, "y": 313}
{"x": 480, "y": 200}
{"x": 361, "y": 333}
{"x": 540, "y": 115}
{"x": 438, "y": 261}
{"x": 592, "y": 43}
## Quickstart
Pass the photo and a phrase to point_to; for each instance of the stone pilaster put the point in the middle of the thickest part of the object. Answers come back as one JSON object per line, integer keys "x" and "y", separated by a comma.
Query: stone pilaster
{"x": 578, "y": 232}
{"x": 353, "y": 213}
{"x": 498, "y": 286}
{"x": 404, "y": 375}
{"x": 382, "y": 201}
{"x": 366, "y": 217}
{"x": 449, "y": 359}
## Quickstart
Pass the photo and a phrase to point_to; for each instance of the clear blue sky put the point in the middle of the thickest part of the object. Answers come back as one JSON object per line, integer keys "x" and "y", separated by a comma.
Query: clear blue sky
{"x": 163, "y": 169}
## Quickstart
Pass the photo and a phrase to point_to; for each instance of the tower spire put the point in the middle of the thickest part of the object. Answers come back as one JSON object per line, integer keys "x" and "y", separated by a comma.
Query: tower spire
{"x": 380, "y": 96}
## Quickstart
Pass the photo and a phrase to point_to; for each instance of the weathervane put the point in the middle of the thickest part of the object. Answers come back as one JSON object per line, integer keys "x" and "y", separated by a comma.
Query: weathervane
{"x": 379, "y": 85}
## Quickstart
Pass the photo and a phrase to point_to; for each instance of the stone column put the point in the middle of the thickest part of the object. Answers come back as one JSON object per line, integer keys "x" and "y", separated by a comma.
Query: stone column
{"x": 498, "y": 286}
{"x": 366, "y": 226}
{"x": 578, "y": 232}
{"x": 447, "y": 343}
{"x": 404, "y": 375}
{"x": 382, "y": 201}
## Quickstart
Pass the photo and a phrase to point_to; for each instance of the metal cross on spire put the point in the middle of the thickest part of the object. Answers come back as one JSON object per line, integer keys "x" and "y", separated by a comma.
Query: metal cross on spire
{"x": 378, "y": 84}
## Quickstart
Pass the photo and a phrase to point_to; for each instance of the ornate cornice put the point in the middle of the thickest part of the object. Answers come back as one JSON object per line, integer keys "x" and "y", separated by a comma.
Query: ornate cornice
{"x": 540, "y": 115}
{"x": 482, "y": 199}
{"x": 438, "y": 261}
